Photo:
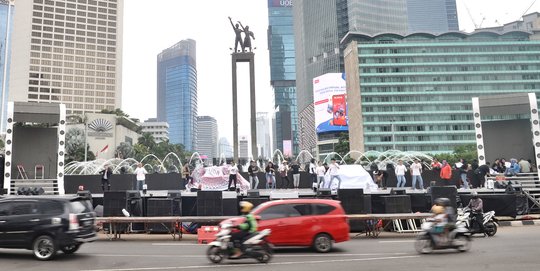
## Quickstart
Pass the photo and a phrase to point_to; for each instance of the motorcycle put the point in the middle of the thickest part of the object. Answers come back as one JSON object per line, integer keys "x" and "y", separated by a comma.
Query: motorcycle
{"x": 489, "y": 221}
{"x": 255, "y": 246}
{"x": 458, "y": 238}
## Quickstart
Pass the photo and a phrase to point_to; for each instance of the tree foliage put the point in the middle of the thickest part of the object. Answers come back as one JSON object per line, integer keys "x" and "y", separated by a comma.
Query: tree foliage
{"x": 75, "y": 140}
{"x": 467, "y": 152}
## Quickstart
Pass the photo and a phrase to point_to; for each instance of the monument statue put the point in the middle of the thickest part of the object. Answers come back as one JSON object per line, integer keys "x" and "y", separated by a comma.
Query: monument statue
{"x": 238, "y": 33}
{"x": 247, "y": 37}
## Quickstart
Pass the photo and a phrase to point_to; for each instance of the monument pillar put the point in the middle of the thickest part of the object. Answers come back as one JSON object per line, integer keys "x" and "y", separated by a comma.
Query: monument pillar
{"x": 248, "y": 57}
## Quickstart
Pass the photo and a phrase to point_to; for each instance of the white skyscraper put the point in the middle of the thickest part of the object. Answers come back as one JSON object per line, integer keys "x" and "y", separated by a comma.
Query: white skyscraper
{"x": 207, "y": 137}
{"x": 263, "y": 135}
{"x": 68, "y": 51}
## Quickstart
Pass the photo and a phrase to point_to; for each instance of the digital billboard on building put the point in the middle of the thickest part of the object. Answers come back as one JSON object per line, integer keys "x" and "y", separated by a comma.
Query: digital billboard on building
{"x": 330, "y": 103}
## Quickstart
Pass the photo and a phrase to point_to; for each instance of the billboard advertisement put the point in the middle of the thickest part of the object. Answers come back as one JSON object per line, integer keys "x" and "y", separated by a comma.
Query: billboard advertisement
{"x": 330, "y": 103}
{"x": 280, "y": 3}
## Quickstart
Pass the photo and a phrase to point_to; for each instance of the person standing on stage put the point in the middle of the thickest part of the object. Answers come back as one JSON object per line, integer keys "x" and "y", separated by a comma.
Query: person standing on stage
{"x": 233, "y": 170}
{"x": 186, "y": 172}
{"x": 333, "y": 169}
{"x": 270, "y": 176}
{"x": 321, "y": 171}
{"x": 106, "y": 178}
{"x": 284, "y": 174}
{"x": 400, "y": 174}
{"x": 416, "y": 174}
{"x": 140, "y": 174}
{"x": 253, "y": 170}
{"x": 313, "y": 172}
{"x": 446, "y": 173}
{"x": 295, "y": 174}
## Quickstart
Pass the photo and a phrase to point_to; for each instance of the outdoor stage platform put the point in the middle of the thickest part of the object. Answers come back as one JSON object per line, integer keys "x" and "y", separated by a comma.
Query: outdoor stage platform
{"x": 354, "y": 201}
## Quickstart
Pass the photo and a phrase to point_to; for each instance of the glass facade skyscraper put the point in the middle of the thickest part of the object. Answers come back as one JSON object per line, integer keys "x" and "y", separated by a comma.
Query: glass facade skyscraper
{"x": 283, "y": 72}
{"x": 414, "y": 92}
{"x": 319, "y": 26}
{"x": 432, "y": 16}
{"x": 177, "y": 92}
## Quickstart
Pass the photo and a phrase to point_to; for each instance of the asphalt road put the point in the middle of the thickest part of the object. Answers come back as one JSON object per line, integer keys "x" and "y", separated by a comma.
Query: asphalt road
{"x": 513, "y": 248}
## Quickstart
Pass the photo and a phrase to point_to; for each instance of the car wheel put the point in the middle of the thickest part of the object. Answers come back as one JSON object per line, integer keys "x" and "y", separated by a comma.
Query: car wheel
{"x": 322, "y": 243}
{"x": 70, "y": 249}
{"x": 44, "y": 248}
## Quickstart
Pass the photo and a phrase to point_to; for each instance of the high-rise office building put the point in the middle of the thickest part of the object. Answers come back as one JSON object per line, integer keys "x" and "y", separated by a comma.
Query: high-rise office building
{"x": 413, "y": 93}
{"x": 177, "y": 92}
{"x": 319, "y": 26}
{"x": 283, "y": 73}
{"x": 432, "y": 16}
{"x": 207, "y": 137}
{"x": 243, "y": 149}
{"x": 263, "y": 135}
{"x": 6, "y": 20}
{"x": 158, "y": 129}
{"x": 225, "y": 148}
{"x": 68, "y": 52}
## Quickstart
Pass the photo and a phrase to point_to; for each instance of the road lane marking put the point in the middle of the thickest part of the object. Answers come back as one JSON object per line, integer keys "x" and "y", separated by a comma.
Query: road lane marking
{"x": 256, "y": 264}
{"x": 172, "y": 244}
{"x": 400, "y": 241}
{"x": 280, "y": 255}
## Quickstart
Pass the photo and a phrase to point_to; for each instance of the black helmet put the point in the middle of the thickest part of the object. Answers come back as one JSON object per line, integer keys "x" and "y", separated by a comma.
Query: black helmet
{"x": 443, "y": 202}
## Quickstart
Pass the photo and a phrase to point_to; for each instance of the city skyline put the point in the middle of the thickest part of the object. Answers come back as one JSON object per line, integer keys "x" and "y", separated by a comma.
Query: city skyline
{"x": 214, "y": 37}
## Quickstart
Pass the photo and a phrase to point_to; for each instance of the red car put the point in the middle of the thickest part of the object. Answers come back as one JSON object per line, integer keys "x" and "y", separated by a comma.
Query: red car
{"x": 302, "y": 222}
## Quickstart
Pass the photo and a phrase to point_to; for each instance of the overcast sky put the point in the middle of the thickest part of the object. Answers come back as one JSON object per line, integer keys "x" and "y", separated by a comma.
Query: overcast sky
{"x": 151, "y": 26}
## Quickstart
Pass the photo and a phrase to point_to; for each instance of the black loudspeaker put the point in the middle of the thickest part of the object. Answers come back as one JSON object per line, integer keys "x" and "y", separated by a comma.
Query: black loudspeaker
{"x": 448, "y": 192}
{"x": 113, "y": 203}
{"x": 398, "y": 191}
{"x": 420, "y": 203}
{"x": 397, "y": 204}
{"x": 352, "y": 200}
{"x": 254, "y": 193}
{"x": 189, "y": 206}
{"x": 324, "y": 192}
{"x": 160, "y": 207}
{"x": 174, "y": 194}
{"x": 210, "y": 203}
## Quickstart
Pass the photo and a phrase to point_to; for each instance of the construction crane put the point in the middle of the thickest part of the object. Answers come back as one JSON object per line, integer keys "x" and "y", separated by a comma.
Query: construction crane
{"x": 476, "y": 26}
{"x": 527, "y": 10}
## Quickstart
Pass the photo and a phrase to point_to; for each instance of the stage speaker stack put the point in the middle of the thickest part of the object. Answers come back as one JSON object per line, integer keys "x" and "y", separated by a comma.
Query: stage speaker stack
{"x": 449, "y": 192}
{"x": 324, "y": 193}
{"x": 352, "y": 201}
{"x": 210, "y": 203}
{"x": 397, "y": 204}
{"x": 230, "y": 203}
{"x": 176, "y": 196}
{"x": 115, "y": 201}
{"x": 159, "y": 207}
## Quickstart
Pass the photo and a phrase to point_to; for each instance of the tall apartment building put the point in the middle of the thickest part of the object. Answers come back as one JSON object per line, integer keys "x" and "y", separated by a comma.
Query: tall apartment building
{"x": 68, "y": 52}
{"x": 207, "y": 137}
{"x": 263, "y": 135}
{"x": 6, "y": 20}
{"x": 320, "y": 25}
{"x": 283, "y": 74}
{"x": 413, "y": 93}
{"x": 177, "y": 92}
{"x": 158, "y": 129}
{"x": 225, "y": 148}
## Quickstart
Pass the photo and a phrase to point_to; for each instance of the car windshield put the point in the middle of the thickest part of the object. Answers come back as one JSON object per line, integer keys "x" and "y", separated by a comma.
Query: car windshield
{"x": 80, "y": 206}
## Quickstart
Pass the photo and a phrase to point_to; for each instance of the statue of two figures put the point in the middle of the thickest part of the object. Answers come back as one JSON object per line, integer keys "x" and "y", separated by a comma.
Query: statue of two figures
{"x": 248, "y": 35}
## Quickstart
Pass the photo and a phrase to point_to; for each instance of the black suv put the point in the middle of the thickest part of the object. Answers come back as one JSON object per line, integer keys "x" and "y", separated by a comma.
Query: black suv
{"x": 45, "y": 224}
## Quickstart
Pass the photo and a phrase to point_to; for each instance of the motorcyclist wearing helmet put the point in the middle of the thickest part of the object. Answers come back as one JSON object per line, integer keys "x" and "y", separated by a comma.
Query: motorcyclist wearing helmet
{"x": 477, "y": 211}
{"x": 245, "y": 229}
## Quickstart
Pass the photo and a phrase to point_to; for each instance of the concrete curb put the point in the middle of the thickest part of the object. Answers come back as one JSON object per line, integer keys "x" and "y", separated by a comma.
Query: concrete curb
{"x": 520, "y": 223}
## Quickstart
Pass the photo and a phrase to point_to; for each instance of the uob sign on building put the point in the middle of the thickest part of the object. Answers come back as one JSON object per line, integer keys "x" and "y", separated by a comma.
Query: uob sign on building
{"x": 280, "y": 3}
